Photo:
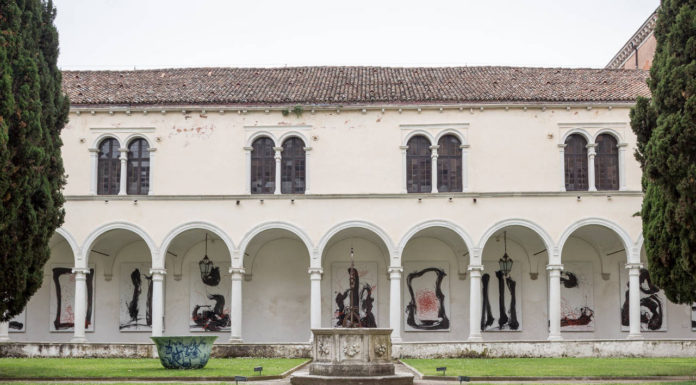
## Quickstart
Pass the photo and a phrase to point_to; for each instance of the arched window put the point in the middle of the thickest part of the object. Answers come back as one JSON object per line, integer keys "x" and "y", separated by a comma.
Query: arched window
{"x": 418, "y": 165}
{"x": 109, "y": 167}
{"x": 262, "y": 166}
{"x": 576, "y": 163}
{"x": 138, "y": 167}
{"x": 292, "y": 170}
{"x": 449, "y": 164}
{"x": 607, "y": 163}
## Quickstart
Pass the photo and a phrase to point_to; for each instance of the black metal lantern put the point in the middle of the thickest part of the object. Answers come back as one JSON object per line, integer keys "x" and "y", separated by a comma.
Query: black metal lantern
{"x": 505, "y": 262}
{"x": 205, "y": 265}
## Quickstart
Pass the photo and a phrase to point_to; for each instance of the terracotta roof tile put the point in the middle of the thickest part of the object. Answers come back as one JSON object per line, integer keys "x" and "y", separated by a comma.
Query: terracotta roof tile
{"x": 352, "y": 85}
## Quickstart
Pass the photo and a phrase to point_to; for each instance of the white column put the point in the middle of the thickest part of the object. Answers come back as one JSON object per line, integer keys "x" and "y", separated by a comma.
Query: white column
{"x": 395, "y": 302}
{"x": 157, "y": 301}
{"x": 307, "y": 169}
{"x": 590, "y": 166}
{"x": 404, "y": 171}
{"x": 622, "y": 165}
{"x": 247, "y": 183}
{"x": 433, "y": 164}
{"x": 80, "y": 304}
{"x": 465, "y": 167}
{"x": 315, "y": 297}
{"x": 634, "y": 300}
{"x": 555, "y": 302}
{"x": 124, "y": 171}
{"x": 4, "y": 331}
{"x": 94, "y": 170}
{"x": 236, "y": 306}
{"x": 150, "y": 190}
{"x": 278, "y": 157}
{"x": 475, "y": 303}
{"x": 561, "y": 149}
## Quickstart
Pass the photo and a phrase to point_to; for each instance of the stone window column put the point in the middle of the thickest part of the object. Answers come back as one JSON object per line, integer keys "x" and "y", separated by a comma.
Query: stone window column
{"x": 555, "y": 302}
{"x": 150, "y": 190}
{"x": 465, "y": 167}
{"x": 622, "y": 163}
{"x": 404, "y": 162}
{"x": 278, "y": 157}
{"x": 247, "y": 183}
{"x": 124, "y": 171}
{"x": 433, "y": 163}
{"x": 94, "y": 170}
{"x": 4, "y": 331}
{"x": 590, "y": 166}
{"x": 395, "y": 302}
{"x": 236, "y": 305}
{"x": 475, "y": 306}
{"x": 80, "y": 304}
{"x": 307, "y": 151}
{"x": 157, "y": 301}
{"x": 315, "y": 274}
{"x": 634, "y": 300}
{"x": 561, "y": 149}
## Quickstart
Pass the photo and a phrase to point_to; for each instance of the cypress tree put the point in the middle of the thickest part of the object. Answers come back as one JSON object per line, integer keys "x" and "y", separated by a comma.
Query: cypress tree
{"x": 33, "y": 110}
{"x": 665, "y": 126}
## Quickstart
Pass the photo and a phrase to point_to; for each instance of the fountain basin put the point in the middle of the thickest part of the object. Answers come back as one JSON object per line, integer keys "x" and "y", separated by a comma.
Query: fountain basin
{"x": 184, "y": 352}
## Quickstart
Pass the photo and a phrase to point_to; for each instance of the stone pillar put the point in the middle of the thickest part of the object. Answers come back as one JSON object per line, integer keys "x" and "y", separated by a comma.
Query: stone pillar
{"x": 150, "y": 190}
{"x": 278, "y": 157}
{"x": 404, "y": 172}
{"x": 634, "y": 301}
{"x": 124, "y": 171}
{"x": 561, "y": 149}
{"x": 94, "y": 170}
{"x": 307, "y": 170}
{"x": 590, "y": 167}
{"x": 465, "y": 167}
{"x": 555, "y": 302}
{"x": 622, "y": 165}
{"x": 247, "y": 183}
{"x": 395, "y": 302}
{"x": 80, "y": 304}
{"x": 433, "y": 164}
{"x": 475, "y": 306}
{"x": 157, "y": 301}
{"x": 315, "y": 297}
{"x": 4, "y": 331}
{"x": 236, "y": 305}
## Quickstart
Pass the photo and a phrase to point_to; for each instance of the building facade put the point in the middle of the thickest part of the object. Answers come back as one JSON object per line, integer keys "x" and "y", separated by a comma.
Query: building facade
{"x": 229, "y": 201}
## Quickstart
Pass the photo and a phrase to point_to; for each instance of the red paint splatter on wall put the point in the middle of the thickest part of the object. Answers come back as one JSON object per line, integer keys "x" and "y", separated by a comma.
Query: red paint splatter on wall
{"x": 427, "y": 304}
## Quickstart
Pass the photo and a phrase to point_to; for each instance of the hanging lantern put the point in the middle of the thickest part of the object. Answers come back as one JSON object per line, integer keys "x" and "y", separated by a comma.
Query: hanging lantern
{"x": 205, "y": 265}
{"x": 505, "y": 262}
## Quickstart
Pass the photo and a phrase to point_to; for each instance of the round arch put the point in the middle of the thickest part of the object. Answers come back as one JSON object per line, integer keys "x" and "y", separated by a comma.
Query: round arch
{"x": 352, "y": 224}
{"x": 132, "y": 137}
{"x": 422, "y": 133}
{"x": 579, "y": 131}
{"x": 293, "y": 134}
{"x": 608, "y": 131}
{"x": 71, "y": 242}
{"x": 101, "y": 138}
{"x": 450, "y": 131}
{"x": 435, "y": 223}
{"x": 197, "y": 225}
{"x": 276, "y": 225}
{"x": 261, "y": 134}
{"x": 548, "y": 241}
{"x": 618, "y": 230}
{"x": 87, "y": 245}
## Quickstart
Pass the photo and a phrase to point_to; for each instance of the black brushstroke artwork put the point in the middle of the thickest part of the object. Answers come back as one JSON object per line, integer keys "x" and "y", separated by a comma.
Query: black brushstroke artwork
{"x": 57, "y": 272}
{"x": 507, "y": 319}
{"x": 132, "y": 306}
{"x": 651, "y": 308}
{"x": 16, "y": 325}
{"x": 368, "y": 321}
{"x": 362, "y": 299}
{"x": 442, "y": 322}
{"x": 214, "y": 319}
{"x": 693, "y": 321}
{"x": 569, "y": 280}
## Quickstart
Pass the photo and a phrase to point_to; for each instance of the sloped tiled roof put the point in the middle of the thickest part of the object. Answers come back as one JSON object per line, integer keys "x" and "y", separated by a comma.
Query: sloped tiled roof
{"x": 351, "y": 86}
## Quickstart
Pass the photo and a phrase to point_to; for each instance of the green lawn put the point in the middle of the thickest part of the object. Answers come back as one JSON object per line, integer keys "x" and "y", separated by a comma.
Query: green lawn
{"x": 137, "y": 367}
{"x": 550, "y": 367}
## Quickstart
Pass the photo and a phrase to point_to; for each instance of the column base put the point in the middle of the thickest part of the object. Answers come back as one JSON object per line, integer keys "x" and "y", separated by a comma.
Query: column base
{"x": 78, "y": 340}
{"x": 477, "y": 338}
{"x": 236, "y": 340}
{"x": 397, "y": 340}
{"x": 635, "y": 337}
{"x": 554, "y": 338}
{"x": 4, "y": 339}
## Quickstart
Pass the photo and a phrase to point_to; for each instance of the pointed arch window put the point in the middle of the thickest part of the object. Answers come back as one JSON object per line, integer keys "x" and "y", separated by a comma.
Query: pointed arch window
{"x": 449, "y": 164}
{"x": 293, "y": 167}
{"x": 108, "y": 167}
{"x": 575, "y": 157}
{"x": 418, "y": 165}
{"x": 138, "y": 167}
{"x": 262, "y": 166}
{"x": 607, "y": 163}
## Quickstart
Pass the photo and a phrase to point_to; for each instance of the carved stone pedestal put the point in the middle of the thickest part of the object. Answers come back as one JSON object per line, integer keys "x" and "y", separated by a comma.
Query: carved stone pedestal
{"x": 351, "y": 356}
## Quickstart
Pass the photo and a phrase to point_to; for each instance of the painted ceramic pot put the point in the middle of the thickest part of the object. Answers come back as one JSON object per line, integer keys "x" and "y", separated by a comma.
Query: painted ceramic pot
{"x": 184, "y": 352}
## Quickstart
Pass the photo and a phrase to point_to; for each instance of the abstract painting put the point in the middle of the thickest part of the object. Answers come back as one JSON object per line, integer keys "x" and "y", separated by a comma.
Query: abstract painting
{"x": 693, "y": 316}
{"x": 135, "y": 289}
{"x": 653, "y": 303}
{"x": 62, "y": 305}
{"x": 577, "y": 297}
{"x": 19, "y": 322}
{"x": 427, "y": 296}
{"x": 501, "y": 304}
{"x": 364, "y": 293}
{"x": 210, "y": 298}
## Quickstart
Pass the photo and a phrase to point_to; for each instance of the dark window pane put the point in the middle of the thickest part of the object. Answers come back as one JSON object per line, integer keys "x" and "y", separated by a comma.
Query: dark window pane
{"x": 262, "y": 167}
{"x": 576, "y": 163}
{"x": 449, "y": 164}
{"x": 108, "y": 168}
{"x": 138, "y": 167}
{"x": 293, "y": 167}
{"x": 606, "y": 163}
{"x": 418, "y": 165}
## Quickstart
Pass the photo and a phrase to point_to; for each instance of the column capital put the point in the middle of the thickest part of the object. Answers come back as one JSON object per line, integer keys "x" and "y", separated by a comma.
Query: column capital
{"x": 307, "y": 149}
{"x": 159, "y": 272}
{"x": 475, "y": 268}
{"x": 315, "y": 271}
{"x": 395, "y": 272}
{"x": 464, "y": 146}
{"x": 622, "y": 145}
{"x": 634, "y": 267}
{"x": 403, "y": 148}
{"x": 152, "y": 150}
{"x": 278, "y": 149}
{"x": 80, "y": 270}
{"x": 248, "y": 148}
{"x": 554, "y": 267}
{"x": 562, "y": 146}
{"x": 93, "y": 150}
{"x": 237, "y": 272}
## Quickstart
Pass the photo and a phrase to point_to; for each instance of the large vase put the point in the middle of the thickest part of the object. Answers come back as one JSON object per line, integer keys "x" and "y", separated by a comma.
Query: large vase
{"x": 184, "y": 352}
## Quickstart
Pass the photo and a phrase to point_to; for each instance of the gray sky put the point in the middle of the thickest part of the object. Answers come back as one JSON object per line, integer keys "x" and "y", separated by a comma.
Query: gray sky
{"x": 122, "y": 34}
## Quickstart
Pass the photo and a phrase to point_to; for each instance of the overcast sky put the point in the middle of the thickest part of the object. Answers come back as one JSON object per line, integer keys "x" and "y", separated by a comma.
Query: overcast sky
{"x": 123, "y": 34}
